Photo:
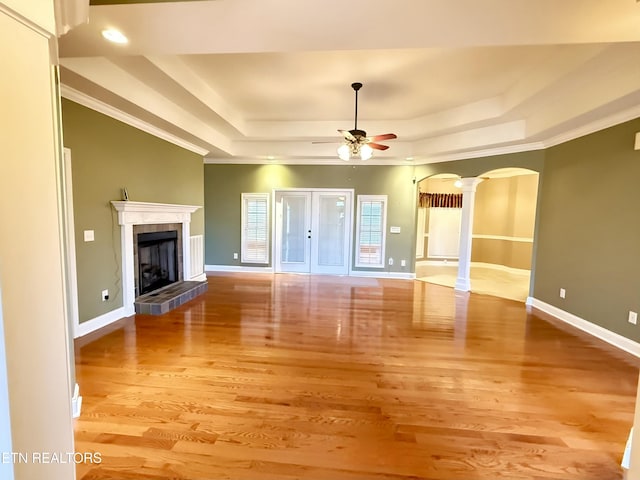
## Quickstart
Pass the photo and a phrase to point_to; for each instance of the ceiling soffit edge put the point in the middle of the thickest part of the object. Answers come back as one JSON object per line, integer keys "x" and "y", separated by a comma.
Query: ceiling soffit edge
{"x": 70, "y": 14}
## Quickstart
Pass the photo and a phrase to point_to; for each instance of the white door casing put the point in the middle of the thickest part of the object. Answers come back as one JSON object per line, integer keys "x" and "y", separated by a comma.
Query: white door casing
{"x": 312, "y": 231}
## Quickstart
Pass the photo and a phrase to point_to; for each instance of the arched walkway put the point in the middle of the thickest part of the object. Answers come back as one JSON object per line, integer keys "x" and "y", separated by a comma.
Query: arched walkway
{"x": 500, "y": 234}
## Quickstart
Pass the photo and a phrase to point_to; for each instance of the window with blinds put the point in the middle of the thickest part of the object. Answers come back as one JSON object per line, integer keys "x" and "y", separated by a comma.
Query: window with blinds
{"x": 255, "y": 228}
{"x": 370, "y": 230}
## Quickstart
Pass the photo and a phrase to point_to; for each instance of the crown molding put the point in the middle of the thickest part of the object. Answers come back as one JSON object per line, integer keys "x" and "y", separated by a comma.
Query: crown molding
{"x": 586, "y": 129}
{"x": 306, "y": 161}
{"x": 101, "y": 107}
{"x": 595, "y": 126}
{"x": 27, "y": 22}
{"x": 489, "y": 152}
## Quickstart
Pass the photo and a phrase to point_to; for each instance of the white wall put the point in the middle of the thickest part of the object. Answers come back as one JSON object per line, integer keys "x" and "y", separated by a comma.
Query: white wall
{"x": 31, "y": 272}
{"x": 39, "y": 12}
{"x": 6, "y": 469}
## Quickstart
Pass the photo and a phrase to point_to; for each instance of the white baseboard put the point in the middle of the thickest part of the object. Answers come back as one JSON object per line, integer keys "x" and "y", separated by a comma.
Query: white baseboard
{"x": 353, "y": 273}
{"x": 237, "y": 268}
{"x": 76, "y": 402}
{"x": 199, "y": 278}
{"x": 101, "y": 321}
{"x": 623, "y": 343}
{"x": 437, "y": 263}
{"x": 401, "y": 275}
{"x": 454, "y": 263}
{"x": 502, "y": 268}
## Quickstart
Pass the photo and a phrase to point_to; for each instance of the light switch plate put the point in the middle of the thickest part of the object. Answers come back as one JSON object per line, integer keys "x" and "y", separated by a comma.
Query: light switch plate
{"x": 89, "y": 236}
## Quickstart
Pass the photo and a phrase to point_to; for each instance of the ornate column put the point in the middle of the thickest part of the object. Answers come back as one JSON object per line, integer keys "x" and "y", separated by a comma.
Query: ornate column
{"x": 463, "y": 282}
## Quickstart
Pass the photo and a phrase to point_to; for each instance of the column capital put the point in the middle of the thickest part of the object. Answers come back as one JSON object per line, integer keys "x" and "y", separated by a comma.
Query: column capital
{"x": 469, "y": 184}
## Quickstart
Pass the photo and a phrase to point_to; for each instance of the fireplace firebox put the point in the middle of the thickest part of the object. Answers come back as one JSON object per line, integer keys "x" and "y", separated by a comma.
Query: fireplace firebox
{"x": 157, "y": 260}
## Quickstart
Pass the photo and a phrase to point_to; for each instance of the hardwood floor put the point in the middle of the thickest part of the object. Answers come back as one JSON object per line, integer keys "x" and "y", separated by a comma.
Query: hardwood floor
{"x": 327, "y": 378}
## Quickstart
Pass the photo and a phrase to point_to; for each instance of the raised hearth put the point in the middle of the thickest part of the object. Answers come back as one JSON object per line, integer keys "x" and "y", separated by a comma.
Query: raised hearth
{"x": 167, "y": 298}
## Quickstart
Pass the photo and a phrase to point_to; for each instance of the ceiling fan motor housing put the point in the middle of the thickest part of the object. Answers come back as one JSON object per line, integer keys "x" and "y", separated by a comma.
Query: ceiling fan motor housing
{"x": 358, "y": 133}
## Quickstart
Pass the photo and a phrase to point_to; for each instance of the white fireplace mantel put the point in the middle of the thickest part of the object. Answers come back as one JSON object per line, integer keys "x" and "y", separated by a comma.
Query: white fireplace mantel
{"x": 145, "y": 213}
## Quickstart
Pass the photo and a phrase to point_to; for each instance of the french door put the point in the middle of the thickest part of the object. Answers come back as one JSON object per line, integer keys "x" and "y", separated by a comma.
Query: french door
{"x": 313, "y": 231}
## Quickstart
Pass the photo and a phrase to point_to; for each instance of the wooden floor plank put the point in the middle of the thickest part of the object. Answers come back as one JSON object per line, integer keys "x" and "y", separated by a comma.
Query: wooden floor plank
{"x": 309, "y": 377}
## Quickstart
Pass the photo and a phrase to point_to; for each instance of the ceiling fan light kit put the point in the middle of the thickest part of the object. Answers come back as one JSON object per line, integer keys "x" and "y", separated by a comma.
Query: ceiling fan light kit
{"x": 348, "y": 150}
{"x": 344, "y": 152}
{"x": 365, "y": 152}
{"x": 356, "y": 143}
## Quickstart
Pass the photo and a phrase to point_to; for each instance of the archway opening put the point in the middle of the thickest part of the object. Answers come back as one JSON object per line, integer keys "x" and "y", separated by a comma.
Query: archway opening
{"x": 503, "y": 227}
{"x": 502, "y": 233}
{"x": 438, "y": 228}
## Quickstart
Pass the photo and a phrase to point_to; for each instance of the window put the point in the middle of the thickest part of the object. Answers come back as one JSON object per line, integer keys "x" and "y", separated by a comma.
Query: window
{"x": 255, "y": 228}
{"x": 444, "y": 232}
{"x": 370, "y": 231}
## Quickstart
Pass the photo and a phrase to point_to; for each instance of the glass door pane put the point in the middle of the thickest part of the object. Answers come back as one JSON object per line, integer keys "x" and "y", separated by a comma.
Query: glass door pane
{"x": 331, "y": 232}
{"x": 313, "y": 231}
{"x": 293, "y": 231}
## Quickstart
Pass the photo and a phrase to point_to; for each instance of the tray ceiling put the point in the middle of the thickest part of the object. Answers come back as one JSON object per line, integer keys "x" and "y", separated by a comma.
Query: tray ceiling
{"x": 259, "y": 80}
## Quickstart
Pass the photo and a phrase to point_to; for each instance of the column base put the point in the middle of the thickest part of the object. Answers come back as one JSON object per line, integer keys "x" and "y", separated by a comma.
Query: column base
{"x": 463, "y": 284}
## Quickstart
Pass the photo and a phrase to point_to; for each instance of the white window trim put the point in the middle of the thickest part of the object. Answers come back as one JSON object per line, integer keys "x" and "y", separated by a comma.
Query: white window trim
{"x": 372, "y": 198}
{"x": 243, "y": 245}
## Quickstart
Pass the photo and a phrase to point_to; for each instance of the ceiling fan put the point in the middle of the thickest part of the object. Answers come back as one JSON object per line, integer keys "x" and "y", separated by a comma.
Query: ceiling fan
{"x": 356, "y": 141}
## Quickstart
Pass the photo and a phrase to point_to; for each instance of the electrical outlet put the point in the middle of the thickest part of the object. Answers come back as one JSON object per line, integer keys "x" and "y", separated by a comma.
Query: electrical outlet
{"x": 390, "y": 261}
{"x": 105, "y": 295}
{"x": 633, "y": 317}
{"x": 403, "y": 263}
{"x": 563, "y": 293}
{"x": 235, "y": 256}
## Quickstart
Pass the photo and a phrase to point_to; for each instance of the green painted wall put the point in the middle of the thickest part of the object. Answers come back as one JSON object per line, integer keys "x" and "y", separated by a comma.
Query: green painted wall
{"x": 106, "y": 156}
{"x": 586, "y": 234}
{"x": 224, "y": 185}
{"x": 475, "y": 167}
{"x": 589, "y": 232}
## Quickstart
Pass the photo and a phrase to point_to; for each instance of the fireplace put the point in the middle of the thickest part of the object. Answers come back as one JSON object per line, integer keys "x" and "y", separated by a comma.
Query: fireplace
{"x": 143, "y": 217}
{"x": 157, "y": 256}
{"x": 157, "y": 260}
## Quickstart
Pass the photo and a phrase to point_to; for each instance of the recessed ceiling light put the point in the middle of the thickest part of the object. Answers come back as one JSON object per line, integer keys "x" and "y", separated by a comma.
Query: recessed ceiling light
{"x": 114, "y": 36}
{"x": 270, "y": 157}
{"x": 409, "y": 159}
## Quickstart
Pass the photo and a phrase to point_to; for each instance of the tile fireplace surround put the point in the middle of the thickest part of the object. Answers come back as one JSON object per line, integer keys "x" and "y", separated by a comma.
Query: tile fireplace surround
{"x": 143, "y": 213}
